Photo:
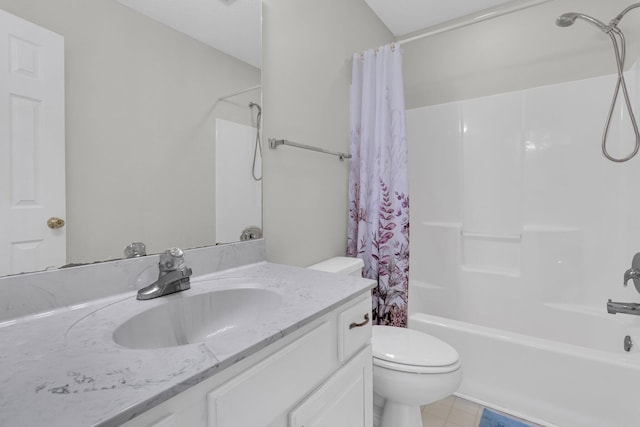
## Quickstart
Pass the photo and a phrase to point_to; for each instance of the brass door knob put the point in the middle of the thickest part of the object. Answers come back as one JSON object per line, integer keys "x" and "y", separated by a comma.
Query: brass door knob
{"x": 55, "y": 223}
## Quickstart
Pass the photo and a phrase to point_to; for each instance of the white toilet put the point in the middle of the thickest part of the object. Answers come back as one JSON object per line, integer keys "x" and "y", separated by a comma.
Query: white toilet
{"x": 410, "y": 368}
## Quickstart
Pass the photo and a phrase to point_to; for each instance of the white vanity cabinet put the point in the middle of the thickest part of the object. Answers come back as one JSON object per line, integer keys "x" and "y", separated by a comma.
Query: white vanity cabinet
{"x": 319, "y": 375}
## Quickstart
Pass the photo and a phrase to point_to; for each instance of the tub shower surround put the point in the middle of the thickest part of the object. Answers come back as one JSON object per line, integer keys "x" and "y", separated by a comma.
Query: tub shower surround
{"x": 521, "y": 232}
{"x": 61, "y": 367}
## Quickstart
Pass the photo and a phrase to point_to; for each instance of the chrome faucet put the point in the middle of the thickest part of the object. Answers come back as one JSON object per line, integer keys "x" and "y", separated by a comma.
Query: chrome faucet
{"x": 631, "y": 274}
{"x": 174, "y": 276}
{"x": 623, "y": 307}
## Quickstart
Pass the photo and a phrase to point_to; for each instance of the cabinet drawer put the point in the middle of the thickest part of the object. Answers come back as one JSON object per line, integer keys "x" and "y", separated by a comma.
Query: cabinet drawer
{"x": 354, "y": 328}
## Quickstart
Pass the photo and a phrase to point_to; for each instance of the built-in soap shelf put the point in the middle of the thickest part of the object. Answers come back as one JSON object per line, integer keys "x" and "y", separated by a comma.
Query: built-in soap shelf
{"x": 491, "y": 253}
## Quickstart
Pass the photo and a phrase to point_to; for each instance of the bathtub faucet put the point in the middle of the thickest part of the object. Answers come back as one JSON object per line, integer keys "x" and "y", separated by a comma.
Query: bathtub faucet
{"x": 623, "y": 307}
{"x": 174, "y": 276}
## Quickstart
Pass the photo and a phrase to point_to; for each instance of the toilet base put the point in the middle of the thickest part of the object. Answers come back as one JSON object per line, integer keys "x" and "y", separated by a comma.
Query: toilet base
{"x": 398, "y": 415}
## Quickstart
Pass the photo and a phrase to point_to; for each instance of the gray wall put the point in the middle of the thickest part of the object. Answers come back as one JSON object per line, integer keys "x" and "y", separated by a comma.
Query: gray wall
{"x": 522, "y": 50}
{"x": 140, "y": 123}
{"x": 307, "y": 49}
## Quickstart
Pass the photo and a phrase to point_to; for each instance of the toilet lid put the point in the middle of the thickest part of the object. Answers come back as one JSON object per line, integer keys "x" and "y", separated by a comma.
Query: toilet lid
{"x": 409, "y": 347}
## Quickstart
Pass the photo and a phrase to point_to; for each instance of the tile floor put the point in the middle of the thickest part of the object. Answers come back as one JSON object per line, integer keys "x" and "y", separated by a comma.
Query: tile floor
{"x": 454, "y": 412}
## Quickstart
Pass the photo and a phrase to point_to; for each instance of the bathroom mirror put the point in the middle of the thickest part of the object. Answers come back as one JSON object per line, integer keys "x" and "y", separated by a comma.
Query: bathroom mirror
{"x": 160, "y": 138}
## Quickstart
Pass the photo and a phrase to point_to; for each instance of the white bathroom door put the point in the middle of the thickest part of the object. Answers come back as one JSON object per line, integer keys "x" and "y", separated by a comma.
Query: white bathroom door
{"x": 32, "y": 146}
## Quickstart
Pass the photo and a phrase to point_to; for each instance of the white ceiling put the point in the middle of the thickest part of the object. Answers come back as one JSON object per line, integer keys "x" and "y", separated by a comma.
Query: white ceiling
{"x": 231, "y": 26}
{"x": 234, "y": 26}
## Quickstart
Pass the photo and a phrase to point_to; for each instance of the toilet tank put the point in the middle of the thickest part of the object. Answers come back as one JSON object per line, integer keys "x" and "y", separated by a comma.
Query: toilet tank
{"x": 342, "y": 264}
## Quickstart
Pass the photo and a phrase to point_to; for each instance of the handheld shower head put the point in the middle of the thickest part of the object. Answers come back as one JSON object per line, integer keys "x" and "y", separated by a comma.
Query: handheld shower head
{"x": 618, "y": 40}
{"x": 253, "y": 104}
{"x": 257, "y": 148}
{"x": 568, "y": 19}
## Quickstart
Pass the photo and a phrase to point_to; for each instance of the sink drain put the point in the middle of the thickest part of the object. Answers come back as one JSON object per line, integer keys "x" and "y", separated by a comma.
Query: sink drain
{"x": 627, "y": 343}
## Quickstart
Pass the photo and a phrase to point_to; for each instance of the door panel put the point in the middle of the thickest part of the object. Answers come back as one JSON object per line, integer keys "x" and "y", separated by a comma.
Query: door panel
{"x": 32, "y": 146}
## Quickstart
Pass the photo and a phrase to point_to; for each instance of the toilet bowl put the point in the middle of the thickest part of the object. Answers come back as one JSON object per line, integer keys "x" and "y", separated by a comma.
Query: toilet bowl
{"x": 410, "y": 368}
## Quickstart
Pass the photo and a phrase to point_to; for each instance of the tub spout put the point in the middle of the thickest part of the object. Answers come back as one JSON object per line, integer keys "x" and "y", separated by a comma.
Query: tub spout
{"x": 623, "y": 307}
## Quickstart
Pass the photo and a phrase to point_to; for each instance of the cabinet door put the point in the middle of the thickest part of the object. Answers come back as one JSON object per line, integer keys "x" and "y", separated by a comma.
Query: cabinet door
{"x": 259, "y": 395}
{"x": 345, "y": 400}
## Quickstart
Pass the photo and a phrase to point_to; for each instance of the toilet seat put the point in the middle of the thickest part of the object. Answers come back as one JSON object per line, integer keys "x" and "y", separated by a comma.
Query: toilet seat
{"x": 414, "y": 369}
{"x": 407, "y": 350}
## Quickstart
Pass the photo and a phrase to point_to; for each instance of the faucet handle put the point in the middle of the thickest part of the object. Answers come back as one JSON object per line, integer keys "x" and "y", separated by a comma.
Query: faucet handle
{"x": 172, "y": 260}
{"x": 633, "y": 272}
{"x": 135, "y": 250}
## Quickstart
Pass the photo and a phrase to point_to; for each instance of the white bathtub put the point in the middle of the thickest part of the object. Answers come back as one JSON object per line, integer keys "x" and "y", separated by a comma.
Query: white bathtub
{"x": 580, "y": 378}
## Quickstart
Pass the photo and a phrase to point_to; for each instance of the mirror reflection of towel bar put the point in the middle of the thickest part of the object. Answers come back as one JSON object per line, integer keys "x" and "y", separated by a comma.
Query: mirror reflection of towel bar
{"x": 274, "y": 143}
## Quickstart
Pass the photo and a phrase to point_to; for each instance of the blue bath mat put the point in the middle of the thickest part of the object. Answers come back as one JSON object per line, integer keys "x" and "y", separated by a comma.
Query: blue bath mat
{"x": 492, "y": 419}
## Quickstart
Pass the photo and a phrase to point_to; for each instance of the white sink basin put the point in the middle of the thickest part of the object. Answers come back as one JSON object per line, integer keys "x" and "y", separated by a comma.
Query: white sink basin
{"x": 186, "y": 319}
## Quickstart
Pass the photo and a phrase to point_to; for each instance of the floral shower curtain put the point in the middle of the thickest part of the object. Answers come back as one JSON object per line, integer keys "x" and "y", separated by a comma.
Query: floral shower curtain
{"x": 378, "y": 190}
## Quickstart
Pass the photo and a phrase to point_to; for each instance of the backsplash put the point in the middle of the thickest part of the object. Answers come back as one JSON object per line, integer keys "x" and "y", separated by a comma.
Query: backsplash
{"x": 32, "y": 293}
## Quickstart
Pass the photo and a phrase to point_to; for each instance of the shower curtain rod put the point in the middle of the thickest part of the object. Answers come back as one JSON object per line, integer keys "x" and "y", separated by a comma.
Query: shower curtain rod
{"x": 482, "y": 16}
{"x": 240, "y": 92}
{"x": 274, "y": 143}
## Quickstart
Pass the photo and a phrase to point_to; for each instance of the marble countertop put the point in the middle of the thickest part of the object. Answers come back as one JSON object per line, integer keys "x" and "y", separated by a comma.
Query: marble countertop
{"x": 62, "y": 368}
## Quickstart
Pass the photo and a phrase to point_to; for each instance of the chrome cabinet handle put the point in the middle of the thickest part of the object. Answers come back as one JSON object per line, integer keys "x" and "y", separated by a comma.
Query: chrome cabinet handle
{"x": 358, "y": 325}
